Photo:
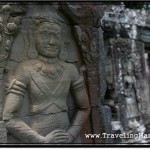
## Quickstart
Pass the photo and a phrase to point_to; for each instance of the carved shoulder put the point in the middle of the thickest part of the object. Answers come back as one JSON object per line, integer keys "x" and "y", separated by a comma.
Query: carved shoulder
{"x": 22, "y": 71}
{"x": 73, "y": 72}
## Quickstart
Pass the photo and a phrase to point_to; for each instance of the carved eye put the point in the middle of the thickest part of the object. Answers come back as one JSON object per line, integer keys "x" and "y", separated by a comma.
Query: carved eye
{"x": 58, "y": 36}
{"x": 43, "y": 33}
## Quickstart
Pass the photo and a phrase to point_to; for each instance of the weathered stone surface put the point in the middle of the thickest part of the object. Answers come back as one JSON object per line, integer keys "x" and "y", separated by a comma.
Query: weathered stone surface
{"x": 36, "y": 107}
{"x": 3, "y": 133}
{"x": 68, "y": 69}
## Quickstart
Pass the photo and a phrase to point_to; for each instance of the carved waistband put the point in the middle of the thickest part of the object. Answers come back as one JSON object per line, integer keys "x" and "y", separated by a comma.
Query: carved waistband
{"x": 47, "y": 108}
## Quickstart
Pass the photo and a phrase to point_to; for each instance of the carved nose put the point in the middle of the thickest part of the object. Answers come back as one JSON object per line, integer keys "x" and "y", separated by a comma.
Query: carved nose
{"x": 52, "y": 41}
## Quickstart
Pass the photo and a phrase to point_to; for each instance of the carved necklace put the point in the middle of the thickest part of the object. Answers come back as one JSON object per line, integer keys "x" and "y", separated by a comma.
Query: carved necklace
{"x": 53, "y": 71}
{"x": 52, "y": 68}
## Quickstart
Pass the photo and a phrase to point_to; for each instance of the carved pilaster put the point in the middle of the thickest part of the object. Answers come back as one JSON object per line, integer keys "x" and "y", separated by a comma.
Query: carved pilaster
{"x": 89, "y": 37}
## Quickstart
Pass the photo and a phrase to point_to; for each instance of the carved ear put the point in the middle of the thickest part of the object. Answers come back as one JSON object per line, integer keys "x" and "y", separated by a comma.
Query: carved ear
{"x": 23, "y": 47}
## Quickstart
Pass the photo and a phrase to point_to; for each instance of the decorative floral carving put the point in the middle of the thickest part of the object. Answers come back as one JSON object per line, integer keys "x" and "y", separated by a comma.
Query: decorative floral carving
{"x": 8, "y": 27}
{"x": 12, "y": 27}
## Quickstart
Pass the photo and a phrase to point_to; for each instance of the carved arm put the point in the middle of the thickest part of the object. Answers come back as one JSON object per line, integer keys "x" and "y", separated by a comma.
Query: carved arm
{"x": 82, "y": 114}
{"x": 15, "y": 126}
{"x": 81, "y": 101}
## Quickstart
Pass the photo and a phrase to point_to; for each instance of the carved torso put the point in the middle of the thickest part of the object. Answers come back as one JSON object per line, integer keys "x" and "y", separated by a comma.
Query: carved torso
{"x": 48, "y": 92}
{"x": 130, "y": 95}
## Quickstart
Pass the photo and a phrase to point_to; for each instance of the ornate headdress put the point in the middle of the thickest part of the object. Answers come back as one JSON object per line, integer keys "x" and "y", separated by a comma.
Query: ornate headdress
{"x": 35, "y": 17}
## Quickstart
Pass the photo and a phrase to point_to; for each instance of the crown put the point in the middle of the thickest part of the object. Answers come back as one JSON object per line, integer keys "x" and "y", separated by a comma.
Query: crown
{"x": 38, "y": 21}
{"x": 44, "y": 13}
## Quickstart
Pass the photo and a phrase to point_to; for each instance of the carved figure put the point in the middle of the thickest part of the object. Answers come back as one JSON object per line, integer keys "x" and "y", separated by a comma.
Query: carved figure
{"x": 132, "y": 98}
{"x": 48, "y": 82}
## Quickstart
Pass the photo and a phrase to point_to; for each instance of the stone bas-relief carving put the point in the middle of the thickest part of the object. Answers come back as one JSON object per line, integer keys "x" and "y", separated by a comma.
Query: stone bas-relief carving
{"x": 133, "y": 104}
{"x": 42, "y": 47}
{"x": 89, "y": 37}
{"x": 126, "y": 108}
{"x": 131, "y": 96}
{"x": 48, "y": 81}
{"x": 8, "y": 28}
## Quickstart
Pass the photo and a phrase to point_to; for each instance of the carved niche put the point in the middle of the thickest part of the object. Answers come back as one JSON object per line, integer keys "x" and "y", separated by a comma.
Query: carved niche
{"x": 28, "y": 73}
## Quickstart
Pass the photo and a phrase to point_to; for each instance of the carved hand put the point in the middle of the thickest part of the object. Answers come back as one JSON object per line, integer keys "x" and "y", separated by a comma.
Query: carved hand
{"x": 70, "y": 138}
{"x": 57, "y": 136}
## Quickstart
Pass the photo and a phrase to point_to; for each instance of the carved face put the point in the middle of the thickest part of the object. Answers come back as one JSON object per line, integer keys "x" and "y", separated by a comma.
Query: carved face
{"x": 48, "y": 39}
{"x": 129, "y": 68}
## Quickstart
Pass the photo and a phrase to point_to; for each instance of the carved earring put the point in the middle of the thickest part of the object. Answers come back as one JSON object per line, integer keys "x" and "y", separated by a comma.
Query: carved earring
{"x": 32, "y": 54}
